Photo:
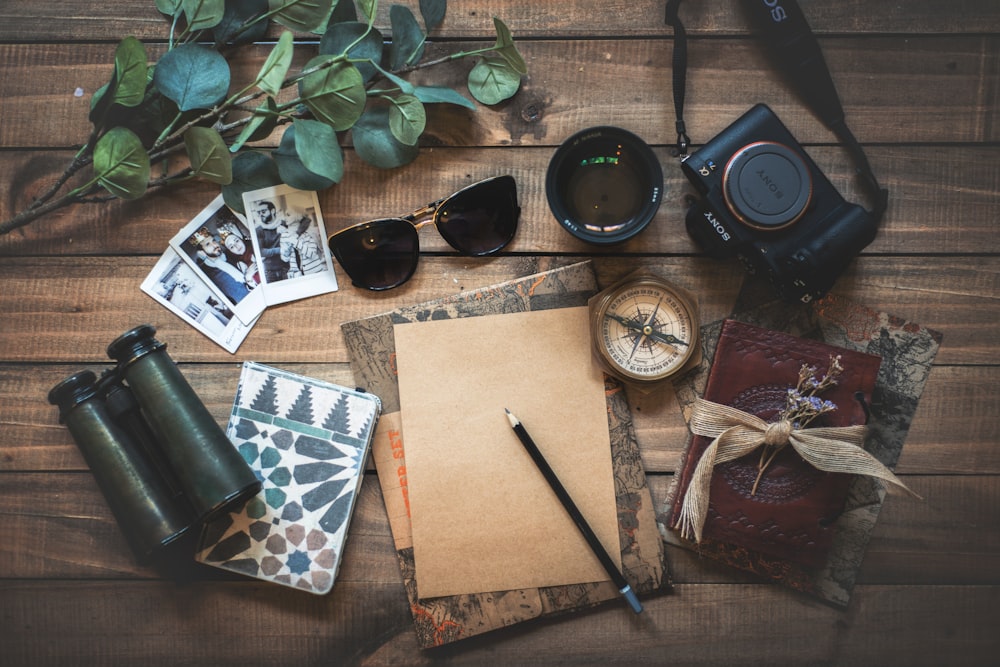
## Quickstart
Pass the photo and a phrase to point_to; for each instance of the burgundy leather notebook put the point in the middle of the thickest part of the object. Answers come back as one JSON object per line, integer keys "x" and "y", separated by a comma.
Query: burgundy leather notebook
{"x": 789, "y": 516}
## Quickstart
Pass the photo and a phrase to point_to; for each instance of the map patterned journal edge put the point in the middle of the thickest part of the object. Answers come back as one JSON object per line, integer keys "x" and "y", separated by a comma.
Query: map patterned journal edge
{"x": 907, "y": 350}
{"x": 447, "y": 619}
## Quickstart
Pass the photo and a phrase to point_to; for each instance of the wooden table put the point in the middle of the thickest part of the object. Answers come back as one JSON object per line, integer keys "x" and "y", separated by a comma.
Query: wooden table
{"x": 920, "y": 81}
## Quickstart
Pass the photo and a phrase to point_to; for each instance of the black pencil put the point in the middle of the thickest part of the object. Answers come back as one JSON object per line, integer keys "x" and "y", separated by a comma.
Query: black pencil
{"x": 595, "y": 545}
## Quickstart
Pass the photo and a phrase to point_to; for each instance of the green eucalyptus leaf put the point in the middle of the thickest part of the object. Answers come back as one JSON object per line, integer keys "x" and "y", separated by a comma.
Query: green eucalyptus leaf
{"x": 302, "y": 15}
{"x": 147, "y": 120}
{"x": 339, "y": 36}
{"x": 433, "y": 12}
{"x": 374, "y": 143}
{"x": 368, "y": 9}
{"x": 506, "y": 49}
{"x": 493, "y": 80}
{"x": 238, "y": 14}
{"x": 343, "y": 11}
{"x": 318, "y": 148}
{"x": 209, "y": 155}
{"x": 203, "y": 14}
{"x": 442, "y": 95}
{"x": 168, "y": 7}
{"x": 403, "y": 85}
{"x": 334, "y": 94}
{"x": 128, "y": 83}
{"x": 100, "y": 103}
{"x": 121, "y": 164}
{"x": 252, "y": 170}
{"x": 130, "y": 72}
{"x": 407, "y": 38}
{"x": 407, "y": 119}
{"x": 193, "y": 76}
{"x": 293, "y": 169}
{"x": 273, "y": 73}
{"x": 260, "y": 126}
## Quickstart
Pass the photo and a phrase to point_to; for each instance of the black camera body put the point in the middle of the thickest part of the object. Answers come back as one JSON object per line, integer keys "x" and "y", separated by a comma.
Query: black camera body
{"x": 763, "y": 200}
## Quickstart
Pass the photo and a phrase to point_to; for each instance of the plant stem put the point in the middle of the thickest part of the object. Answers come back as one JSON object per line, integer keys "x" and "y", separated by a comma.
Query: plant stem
{"x": 29, "y": 215}
{"x": 762, "y": 466}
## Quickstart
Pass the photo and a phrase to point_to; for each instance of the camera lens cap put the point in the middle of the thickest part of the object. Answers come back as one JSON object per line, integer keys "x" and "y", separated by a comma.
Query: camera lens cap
{"x": 767, "y": 185}
{"x": 604, "y": 185}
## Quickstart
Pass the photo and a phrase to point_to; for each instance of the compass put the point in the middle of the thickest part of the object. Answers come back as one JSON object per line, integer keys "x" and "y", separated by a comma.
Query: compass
{"x": 644, "y": 329}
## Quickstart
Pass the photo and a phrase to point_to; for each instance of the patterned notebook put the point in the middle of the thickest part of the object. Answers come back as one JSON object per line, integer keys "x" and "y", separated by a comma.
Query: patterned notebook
{"x": 307, "y": 441}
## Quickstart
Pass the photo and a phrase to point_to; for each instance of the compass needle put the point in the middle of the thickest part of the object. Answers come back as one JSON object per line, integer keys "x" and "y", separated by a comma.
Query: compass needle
{"x": 643, "y": 328}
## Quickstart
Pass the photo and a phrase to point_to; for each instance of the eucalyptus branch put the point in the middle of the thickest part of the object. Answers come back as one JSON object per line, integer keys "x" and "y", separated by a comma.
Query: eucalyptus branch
{"x": 147, "y": 114}
{"x": 76, "y": 165}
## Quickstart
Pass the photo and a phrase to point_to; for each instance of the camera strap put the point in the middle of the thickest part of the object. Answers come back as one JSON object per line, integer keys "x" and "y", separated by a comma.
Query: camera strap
{"x": 796, "y": 52}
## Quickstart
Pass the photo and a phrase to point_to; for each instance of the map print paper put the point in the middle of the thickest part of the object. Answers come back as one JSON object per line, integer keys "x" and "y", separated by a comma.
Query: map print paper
{"x": 438, "y": 621}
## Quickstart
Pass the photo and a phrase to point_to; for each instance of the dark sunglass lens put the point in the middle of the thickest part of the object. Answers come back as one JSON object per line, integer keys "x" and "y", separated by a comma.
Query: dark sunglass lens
{"x": 377, "y": 255}
{"x": 482, "y": 219}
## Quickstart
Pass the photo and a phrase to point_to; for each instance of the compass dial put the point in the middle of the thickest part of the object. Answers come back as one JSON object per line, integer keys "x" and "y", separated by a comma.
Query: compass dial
{"x": 644, "y": 329}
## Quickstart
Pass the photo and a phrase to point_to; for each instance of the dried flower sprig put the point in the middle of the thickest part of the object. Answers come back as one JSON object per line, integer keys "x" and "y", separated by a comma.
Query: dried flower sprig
{"x": 802, "y": 406}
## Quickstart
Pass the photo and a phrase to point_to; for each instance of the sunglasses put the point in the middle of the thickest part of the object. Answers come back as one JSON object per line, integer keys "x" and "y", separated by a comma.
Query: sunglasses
{"x": 477, "y": 220}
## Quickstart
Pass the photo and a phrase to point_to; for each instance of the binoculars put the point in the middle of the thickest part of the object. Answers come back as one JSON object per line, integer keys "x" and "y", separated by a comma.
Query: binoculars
{"x": 162, "y": 462}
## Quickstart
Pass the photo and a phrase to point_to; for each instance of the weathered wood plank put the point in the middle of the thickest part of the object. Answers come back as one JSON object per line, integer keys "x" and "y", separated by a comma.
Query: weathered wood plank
{"x": 913, "y": 89}
{"x": 58, "y": 527}
{"x": 954, "y": 431}
{"x": 942, "y": 200}
{"x": 365, "y": 624}
{"x": 66, "y": 19}
{"x": 70, "y": 308}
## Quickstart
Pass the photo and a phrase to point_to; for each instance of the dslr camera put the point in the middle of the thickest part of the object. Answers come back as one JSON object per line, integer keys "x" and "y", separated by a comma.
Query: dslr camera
{"x": 763, "y": 200}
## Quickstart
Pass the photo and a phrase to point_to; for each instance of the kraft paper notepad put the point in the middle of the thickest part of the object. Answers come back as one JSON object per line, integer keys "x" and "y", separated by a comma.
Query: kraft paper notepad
{"x": 438, "y": 621}
{"x": 484, "y": 518}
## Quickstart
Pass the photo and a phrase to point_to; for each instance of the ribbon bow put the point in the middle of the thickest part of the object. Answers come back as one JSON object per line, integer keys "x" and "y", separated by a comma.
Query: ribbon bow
{"x": 737, "y": 433}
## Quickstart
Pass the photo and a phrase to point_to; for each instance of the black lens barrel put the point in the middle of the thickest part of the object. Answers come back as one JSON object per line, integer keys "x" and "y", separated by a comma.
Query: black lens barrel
{"x": 604, "y": 185}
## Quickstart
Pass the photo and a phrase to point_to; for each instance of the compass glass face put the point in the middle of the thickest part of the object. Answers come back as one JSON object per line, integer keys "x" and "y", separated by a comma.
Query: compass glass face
{"x": 646, "y": 331}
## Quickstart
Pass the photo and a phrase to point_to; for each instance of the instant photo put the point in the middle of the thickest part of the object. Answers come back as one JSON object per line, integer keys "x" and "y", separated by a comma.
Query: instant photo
{"x": 217, "y": 245}
{"x": 176, "y": 286}
{"x": 289, "y": 240}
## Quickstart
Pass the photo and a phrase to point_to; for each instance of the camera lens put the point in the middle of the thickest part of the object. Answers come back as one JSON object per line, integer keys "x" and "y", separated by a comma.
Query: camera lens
{"x": 604, "y": 185}
{"x": 767, "y": 185}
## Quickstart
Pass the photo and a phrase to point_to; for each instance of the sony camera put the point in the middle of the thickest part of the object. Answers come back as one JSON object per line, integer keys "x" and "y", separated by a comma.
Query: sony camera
{"x": 763, "y": 200}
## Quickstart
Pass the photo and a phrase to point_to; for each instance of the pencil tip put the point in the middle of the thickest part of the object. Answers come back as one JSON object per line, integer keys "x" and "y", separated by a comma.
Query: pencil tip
{"x": 513, "y": 420}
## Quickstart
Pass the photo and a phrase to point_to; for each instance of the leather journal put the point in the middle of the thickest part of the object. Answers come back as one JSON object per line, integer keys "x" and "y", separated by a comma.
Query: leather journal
{"x": 791, "y": 514}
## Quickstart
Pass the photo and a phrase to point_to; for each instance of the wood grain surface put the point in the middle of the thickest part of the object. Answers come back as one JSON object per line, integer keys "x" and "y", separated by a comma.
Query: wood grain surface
{"x": 920, "y": 82}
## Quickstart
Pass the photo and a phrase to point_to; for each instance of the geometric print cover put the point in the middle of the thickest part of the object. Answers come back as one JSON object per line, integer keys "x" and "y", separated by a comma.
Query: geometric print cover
{"x": 306, "y": 440}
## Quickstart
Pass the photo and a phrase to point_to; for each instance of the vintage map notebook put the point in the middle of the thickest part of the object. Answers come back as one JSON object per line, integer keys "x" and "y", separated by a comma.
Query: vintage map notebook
{"x": 907, "y": 351}
{"x": 307, "y": 441}
{"x": 439, "y": 621}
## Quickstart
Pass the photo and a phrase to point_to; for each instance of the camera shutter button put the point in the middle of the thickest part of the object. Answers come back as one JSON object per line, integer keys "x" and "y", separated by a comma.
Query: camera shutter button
{"x": 767, "y": 185}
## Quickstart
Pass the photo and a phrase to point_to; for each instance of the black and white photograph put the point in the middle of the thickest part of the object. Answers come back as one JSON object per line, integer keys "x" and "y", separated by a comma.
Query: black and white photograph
{"x": 174, "y": 284}
{"x": 289, "y": 243}
{"x": 218, "y": 246}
